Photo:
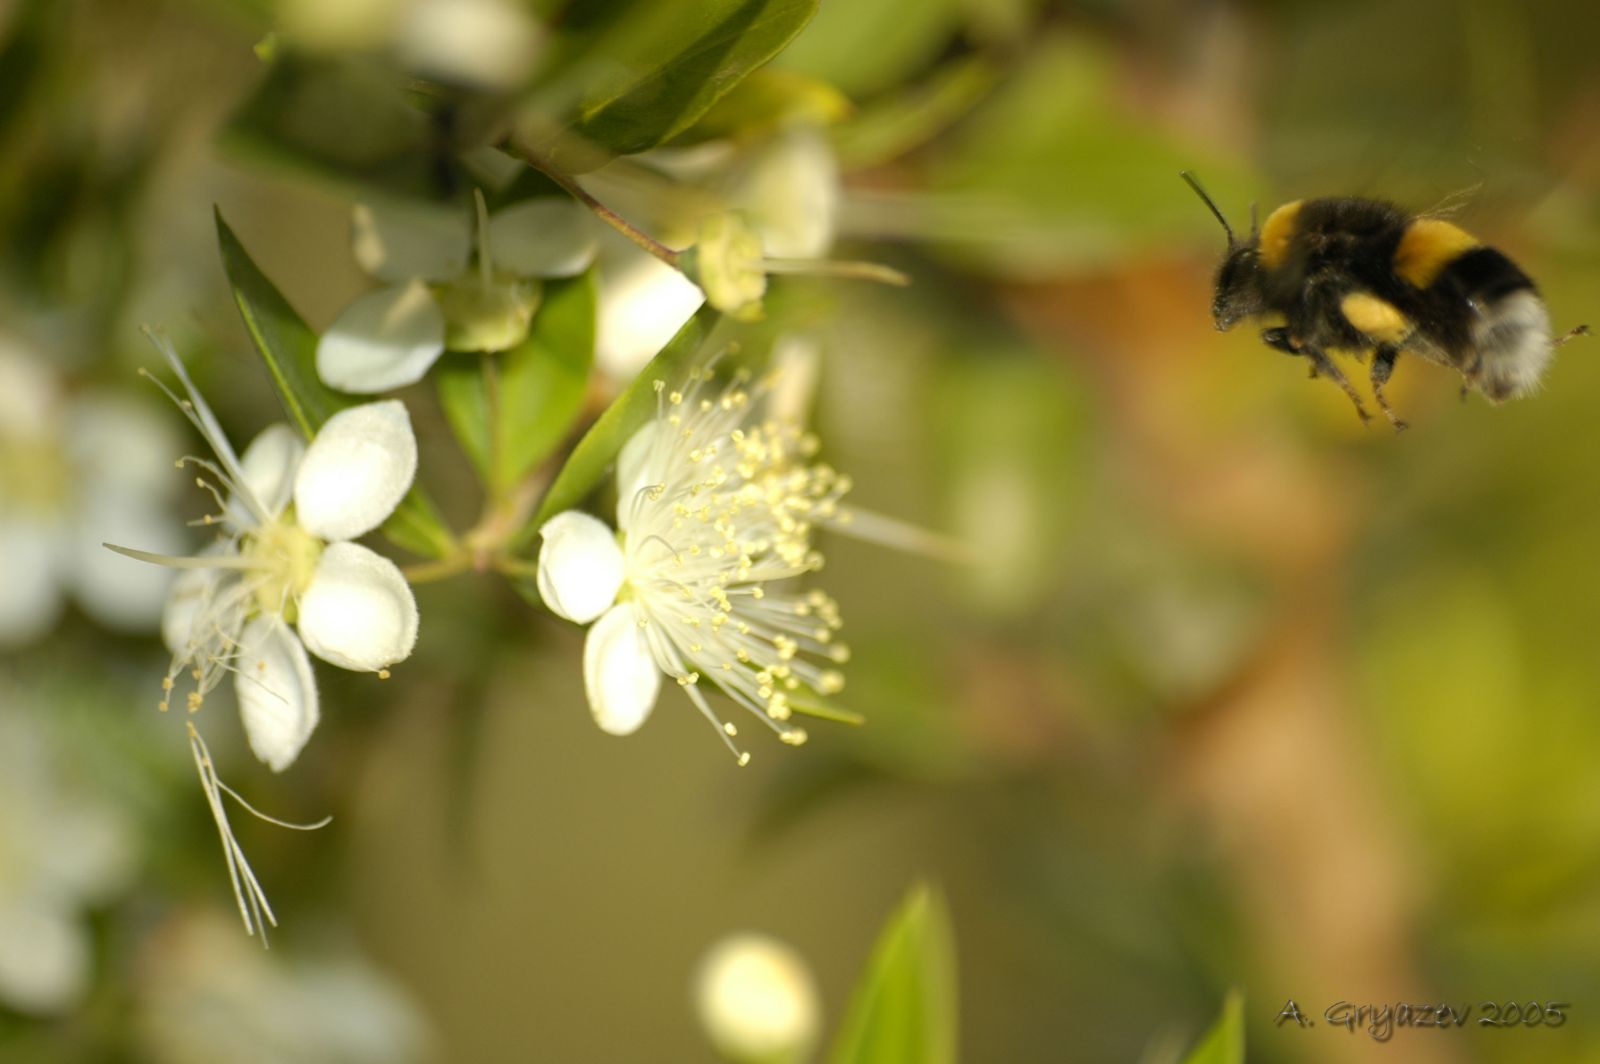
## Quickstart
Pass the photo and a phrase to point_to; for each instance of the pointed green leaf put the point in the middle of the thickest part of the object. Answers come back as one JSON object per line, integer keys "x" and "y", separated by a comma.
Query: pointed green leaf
{"x": 625, "y": 416}
{"x": 903, "y": 1009}
{"x": 1224, "y": 1042}
{"x": 663, "y": 66}
{"x": 288, "y": 348}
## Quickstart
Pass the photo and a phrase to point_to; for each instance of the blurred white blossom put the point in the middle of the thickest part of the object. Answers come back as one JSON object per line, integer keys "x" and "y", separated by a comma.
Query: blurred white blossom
{"x": 62, "y": 849}
{"x": 757, "y": 1000}
{"x": 437, "y": 294}
{"x": 716, "y": 505}
{"x": 285, "y": 558}
{"x": 207, "y": 995}
{"x": 785, "y": 186}
{"x": 73, "y": 470}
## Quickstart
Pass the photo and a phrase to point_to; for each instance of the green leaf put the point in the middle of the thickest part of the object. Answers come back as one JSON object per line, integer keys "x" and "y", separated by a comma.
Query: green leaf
{"x": 542, "y": 381}
{"x": 288, "y": 348}
{"x": 1224, "y": 1042}
{"x": 510, "y": 411}
{"x": 625, "y": 416}
{"x": 666, "y": 66}
{"x": 903, "y": 1009}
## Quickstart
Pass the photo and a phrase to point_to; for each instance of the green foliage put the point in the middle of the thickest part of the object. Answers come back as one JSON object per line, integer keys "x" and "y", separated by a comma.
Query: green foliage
{"x": 288, "y": 348}
{"x": 510, "y": 419}
{"x": 1224, "y": 1042}
{"x": 903, "y": 1009}
{"x": 625, "y": 416}
{"x": 662, "y": 66}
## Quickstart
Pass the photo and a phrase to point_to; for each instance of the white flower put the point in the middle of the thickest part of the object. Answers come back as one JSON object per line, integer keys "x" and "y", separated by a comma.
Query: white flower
{"x": 643, "y": 302}
{"x": 72, "y": 468}
{"x": 207, "y": 995}
{"x": 716, "y": 503}
{"x": 432, "y": 300}
{"x": 284, "y": 565}
{"x": 757, "y": 1000}
{"x": 61, "y": 850}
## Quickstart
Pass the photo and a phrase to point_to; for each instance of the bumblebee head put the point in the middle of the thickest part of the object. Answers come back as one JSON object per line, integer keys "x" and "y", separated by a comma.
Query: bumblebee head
{"x": 1238, "y": 285}
{"x": 1238, "y": 282}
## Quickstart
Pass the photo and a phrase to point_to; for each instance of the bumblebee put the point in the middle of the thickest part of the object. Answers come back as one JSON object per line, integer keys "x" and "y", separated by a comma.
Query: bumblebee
{"x": 1357, "y": 275}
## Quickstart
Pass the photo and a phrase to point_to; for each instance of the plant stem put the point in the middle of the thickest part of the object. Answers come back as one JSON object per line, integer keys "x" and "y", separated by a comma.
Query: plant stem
{"x": 851, "y": 268}
{"x": 606, "y": 214}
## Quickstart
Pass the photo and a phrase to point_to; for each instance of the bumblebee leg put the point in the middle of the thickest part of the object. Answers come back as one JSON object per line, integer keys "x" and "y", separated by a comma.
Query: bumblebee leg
{"x": 1322, "y": 366}
{"x": 1279, "y": 340}
{"x": 1383, "y": 365}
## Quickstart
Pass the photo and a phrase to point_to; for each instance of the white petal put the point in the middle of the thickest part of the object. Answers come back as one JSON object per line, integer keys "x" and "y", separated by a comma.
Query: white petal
{"x": 580, "y": 566}
{"x": 790, "y": 193}
{"x": 121, "y": 593}
{"x": 30, "y": 579}
{"x": 188, "y": 597}
{"x": 400, "y": 242}
{"x": 117, "y": 442}
{"x": 358, "y": 611}
{"x": 489, "y": 44}
{"x": 643, "y": 302}
{"x": 269, "y": 465}
{"x": 356, "y": 471}
{"x": 385, "y": 339}
{"x": 30, "y": 392}
{"x": 636, "y": 471}
{"x": 552, "y": 236}
{"x": 619, "y": 674}
{"x": 44, "y": 957}
{"x": 277, "y": 693}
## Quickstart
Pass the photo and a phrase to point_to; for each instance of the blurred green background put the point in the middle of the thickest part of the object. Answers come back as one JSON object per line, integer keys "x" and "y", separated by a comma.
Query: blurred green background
{"x": 1236, "y": 694}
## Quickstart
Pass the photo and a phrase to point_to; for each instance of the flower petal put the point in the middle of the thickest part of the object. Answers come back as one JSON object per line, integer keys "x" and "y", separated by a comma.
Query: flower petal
{"x": 277, "y": 693}
{"x": 757, "y": 999}
{"x": 30, "y": 579}
{"x": 358, "y": 611}
{"x": 636, "y": 471}
{"x": 120, "y": 593}
{"x": 643, "y": 302}
{"x": 117, "y": 442}
{"x": 791, "y": 194}
{"x": 399, "y": 243}
{"x": 268, "y": 465}
{"x": 356, "y": 471}
{"x": 385, "y": 339}
{"x": 44, "y": 957}
{"x": 619, "y": 674}
{"x": 189, "y": 596}
{"x": 580, "y": 566}
{"x": 551, "y": 236}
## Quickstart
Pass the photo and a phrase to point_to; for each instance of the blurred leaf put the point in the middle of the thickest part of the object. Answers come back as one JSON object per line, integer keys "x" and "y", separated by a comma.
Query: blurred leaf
{"x": 625, "y": 416}
{"x": 765, "y": 100}
{"x": 1224, "y": 1043}
{"x": 288, "y": 347}
{"x": 866, "y": 46}
{"x": 1047, "y": 177}
{"x": 822, "y": 709}
{"x": 903, "y": 1008}
{"x": 348, "y": 121}
{"x": 671, "y": 65}
{"x": 910, "y": 117}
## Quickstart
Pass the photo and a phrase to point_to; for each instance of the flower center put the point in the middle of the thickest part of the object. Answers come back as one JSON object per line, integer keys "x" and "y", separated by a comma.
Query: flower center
{"x": 285, "y": 555}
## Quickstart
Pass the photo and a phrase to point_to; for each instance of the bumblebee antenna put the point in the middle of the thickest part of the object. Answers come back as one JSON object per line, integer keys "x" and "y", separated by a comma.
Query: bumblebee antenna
{"x": 1194, "y": 183}
{"x": 1572, "y": 334}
